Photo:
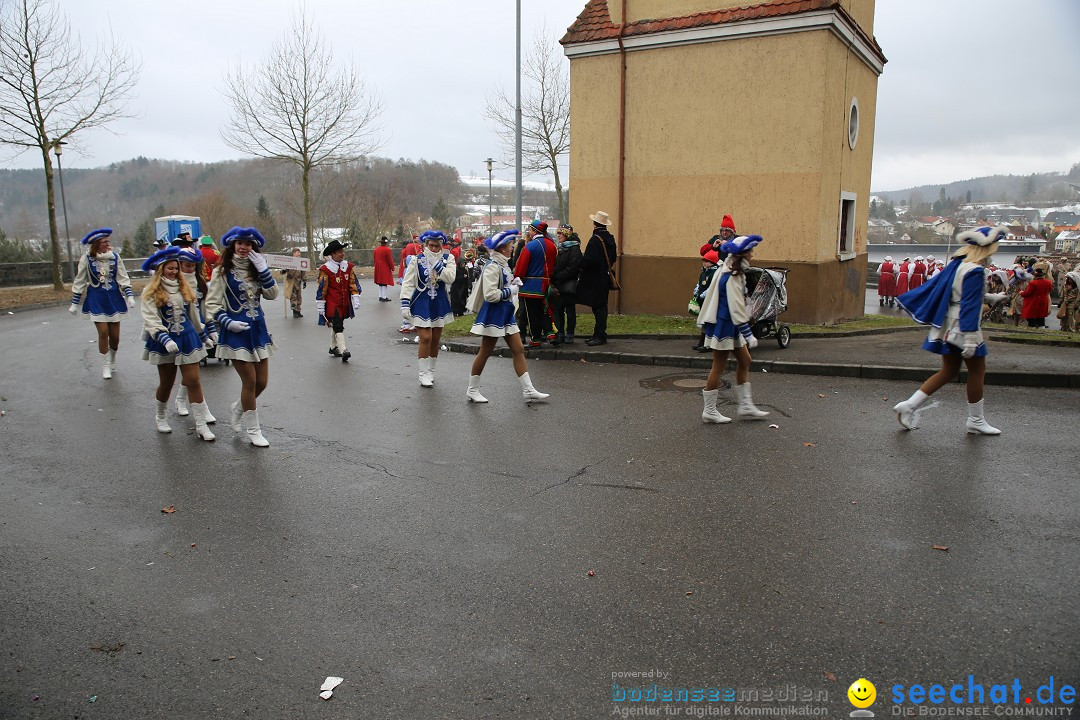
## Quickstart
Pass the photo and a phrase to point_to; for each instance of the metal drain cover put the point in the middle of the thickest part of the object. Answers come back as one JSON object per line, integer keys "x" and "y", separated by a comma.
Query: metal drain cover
{"x": 681, "y": 382}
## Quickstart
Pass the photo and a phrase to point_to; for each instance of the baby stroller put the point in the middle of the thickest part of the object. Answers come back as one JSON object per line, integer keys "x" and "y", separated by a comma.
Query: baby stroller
{"x": 768, "y": 298}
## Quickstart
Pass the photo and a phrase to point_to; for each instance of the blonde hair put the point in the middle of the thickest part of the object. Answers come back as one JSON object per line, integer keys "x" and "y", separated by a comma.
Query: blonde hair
{"x": 976, "y": 253}
{"x": 154, "y": 290}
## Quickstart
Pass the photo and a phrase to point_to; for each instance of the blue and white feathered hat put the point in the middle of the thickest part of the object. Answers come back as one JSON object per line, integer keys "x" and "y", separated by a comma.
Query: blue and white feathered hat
{"x": 190, "y": 255}
{"x": 163, "y": 255}
{"x": 740, "y": 244}
{"x": 429, "y": 234}
{"x": 499, "y": 239}
{"x": 242, "y": 233}
{"x": 96, "y": 235}
{"x": 983, "y": 236}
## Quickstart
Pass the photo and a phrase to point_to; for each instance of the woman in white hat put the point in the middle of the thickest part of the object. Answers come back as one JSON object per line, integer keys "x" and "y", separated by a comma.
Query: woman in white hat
{"x": 102, "y": 288}
{"x": 726, "y": 322}
{"x": 175, "y": 337}
{"x": 237, "y": 287}
{"x": 952, "y": 304}
{"x": 494, "y": 300}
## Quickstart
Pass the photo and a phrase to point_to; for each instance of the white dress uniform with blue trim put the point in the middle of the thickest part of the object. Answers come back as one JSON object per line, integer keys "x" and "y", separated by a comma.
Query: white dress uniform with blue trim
{"x": 424, "y": 288}
{"x": 235, "y": 296}
{"x": 723, "y": 314}
{"x": 492, "y": 300}
{"x": 101, "y": 283}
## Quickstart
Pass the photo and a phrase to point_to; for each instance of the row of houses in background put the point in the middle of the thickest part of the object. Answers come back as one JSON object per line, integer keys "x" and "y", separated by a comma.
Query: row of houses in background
{"x": 1060, "y": 227}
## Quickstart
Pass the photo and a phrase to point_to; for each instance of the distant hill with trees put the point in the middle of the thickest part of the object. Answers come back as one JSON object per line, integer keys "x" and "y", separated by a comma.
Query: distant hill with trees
{"x": 1038, "y": 188}
{"x": 370, "y": 198}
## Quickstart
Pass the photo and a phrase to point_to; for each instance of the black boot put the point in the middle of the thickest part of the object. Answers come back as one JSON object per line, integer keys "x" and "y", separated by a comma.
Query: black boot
{"x": 345, "y": 356}
{"x": 334, "y": 352}
{"x": 296, "y": 313}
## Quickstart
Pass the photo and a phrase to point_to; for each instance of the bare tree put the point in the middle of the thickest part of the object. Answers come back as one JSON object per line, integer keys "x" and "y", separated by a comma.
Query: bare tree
{"x": 298, "y": 108}
{"x": 51, "y": 88}
{"x": 545, "y": 112}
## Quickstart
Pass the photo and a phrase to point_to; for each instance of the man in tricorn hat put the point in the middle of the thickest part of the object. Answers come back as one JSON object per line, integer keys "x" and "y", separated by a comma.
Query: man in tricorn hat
{"x": 338, "y": 296}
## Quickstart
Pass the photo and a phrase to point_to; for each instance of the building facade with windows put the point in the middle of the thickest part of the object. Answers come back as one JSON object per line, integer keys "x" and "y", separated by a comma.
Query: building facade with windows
{"x": 684, "y": 110}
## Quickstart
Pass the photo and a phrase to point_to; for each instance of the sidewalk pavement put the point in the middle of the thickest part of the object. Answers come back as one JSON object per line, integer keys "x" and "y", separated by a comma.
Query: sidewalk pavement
{"x": 895, "y": 355}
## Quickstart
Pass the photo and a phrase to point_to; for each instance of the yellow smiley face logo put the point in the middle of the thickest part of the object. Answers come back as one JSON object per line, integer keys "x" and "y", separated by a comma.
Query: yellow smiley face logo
{"x": 862, "y": 693}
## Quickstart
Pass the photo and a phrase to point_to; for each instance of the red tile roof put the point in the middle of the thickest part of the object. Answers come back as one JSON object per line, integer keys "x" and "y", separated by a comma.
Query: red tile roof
{"x": 594, "y": 22}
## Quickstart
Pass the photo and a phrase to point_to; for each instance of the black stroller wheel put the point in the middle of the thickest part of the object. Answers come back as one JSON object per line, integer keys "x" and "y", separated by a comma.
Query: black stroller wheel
{"x": 783, "y": 336}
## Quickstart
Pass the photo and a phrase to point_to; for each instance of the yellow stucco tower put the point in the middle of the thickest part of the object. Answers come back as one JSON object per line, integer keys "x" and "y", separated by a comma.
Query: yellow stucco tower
{"x": 684, "y": 110}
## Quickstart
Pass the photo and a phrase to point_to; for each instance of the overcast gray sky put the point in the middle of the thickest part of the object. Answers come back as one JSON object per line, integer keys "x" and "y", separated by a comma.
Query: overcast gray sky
{"x": 972, "y": 87}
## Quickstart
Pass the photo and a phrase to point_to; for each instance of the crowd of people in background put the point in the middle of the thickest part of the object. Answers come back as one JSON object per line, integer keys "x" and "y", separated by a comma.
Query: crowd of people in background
{"x": 522, "y": 287}
{"x": 1026, "y": 291}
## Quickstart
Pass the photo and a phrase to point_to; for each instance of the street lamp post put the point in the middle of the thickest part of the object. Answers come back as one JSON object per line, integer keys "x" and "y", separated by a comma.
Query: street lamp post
{"x": 490, "y": 162}
{"x": 58, "y": 149}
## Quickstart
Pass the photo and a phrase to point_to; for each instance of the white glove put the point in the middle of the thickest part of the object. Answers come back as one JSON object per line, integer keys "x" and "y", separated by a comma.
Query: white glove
{"x": 131, "y": 301}
{"x": 406, "y": 314}
{"x": 238, "y": 326}
{"x": 969, "y": 350}
{"x": 213, "y": 337}
{"x": 73, "y": 309}
{"x": 171, "y": 346}
{"x": 517, "y": 281}
{"x": 208, "y": 344}
{"x": 355, "y": 302}
{"x": 751, "y": 342}
{"x": 257, "y": 260}
{"x": 514, "y": 289}
{"x": 320, "y": 306}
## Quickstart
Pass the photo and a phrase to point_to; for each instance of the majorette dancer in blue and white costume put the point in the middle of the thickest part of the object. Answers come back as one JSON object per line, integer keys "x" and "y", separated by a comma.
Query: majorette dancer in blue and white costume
{"x": 425, "y": 300}
{"x": 193, "y": 275}
{"x": 103, "y": 289}
{"x": 174, "y": 336}
{"x": 726, "y": 324}
{"x": 494, "y": 300}
{"x": 236, "y": 288}
{"x": 951, "y": 302}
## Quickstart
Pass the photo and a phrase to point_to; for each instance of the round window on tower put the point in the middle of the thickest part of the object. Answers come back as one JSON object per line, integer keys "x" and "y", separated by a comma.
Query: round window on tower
{"x": 853, "y": 123}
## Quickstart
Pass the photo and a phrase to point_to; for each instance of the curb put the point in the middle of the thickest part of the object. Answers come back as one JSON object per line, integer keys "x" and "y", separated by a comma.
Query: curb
{"x": 866, "y": 372}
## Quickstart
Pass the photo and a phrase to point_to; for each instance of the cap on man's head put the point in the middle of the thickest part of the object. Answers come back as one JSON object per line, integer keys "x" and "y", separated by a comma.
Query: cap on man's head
{"x": 539, "y": 226}
{"x": 728, "y": 223}
{"x": 206, "y": 240}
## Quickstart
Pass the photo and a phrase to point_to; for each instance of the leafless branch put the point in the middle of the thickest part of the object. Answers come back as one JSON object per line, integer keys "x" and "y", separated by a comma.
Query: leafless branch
{"x": 545, "y": 112}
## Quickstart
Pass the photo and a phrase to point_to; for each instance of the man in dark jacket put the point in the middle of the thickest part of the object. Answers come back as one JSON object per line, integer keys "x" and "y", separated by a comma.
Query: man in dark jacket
{"x": 565, "y": 281}
{"x": 600, "y": 254}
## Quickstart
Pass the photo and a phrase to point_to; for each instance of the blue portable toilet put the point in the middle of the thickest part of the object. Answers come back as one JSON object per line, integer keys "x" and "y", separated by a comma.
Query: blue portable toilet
{"x": 168, "y": 227}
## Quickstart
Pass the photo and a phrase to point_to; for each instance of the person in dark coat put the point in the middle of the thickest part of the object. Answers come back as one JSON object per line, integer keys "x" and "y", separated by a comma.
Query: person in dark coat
{"x": 565, "y": 281}
{"x": 459, "y": 289}
{"x": 593, "y": 283}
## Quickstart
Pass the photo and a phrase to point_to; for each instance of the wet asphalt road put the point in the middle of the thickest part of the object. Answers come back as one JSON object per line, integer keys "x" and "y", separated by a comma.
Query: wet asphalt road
{"x": 436, "y": 555}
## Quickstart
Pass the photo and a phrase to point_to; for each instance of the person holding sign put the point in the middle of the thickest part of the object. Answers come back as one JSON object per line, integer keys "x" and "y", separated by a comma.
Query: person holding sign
{"x": 338, "y": 296}
{"x": 294, "y": 283}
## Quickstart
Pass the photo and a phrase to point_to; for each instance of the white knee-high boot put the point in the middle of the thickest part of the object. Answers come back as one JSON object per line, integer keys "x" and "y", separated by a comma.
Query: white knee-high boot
{"x": 254, "y": 431}
{"x": 431, "y": 369}
{"x": 236, "y": 416}
{"x": 183, "y": 409}
{"x": 201, "y": 428}
{"x": 160, "y": 418}
{"x": 474, "y": 390}
{"x": 424, "y": 372}
{"x": 746, "y": 408}
{"x": 976, "y": 422}
{"x": 907, "y": 412}
{"x": 112, "y": 360}
{"x": 106, "y": 367}
{"x": 710, "y": 414}
{"x": 530, "y": 393}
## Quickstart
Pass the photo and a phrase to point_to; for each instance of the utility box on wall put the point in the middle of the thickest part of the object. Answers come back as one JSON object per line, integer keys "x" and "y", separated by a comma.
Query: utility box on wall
{"x": 168, "y": 227}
